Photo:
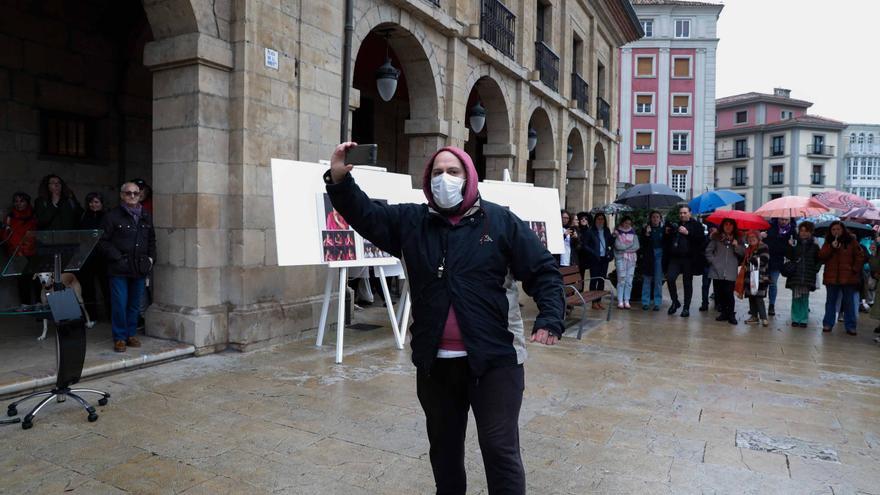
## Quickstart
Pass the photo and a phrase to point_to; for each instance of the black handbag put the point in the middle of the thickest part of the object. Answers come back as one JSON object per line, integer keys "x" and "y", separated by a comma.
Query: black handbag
{"x": 789, "y": 268}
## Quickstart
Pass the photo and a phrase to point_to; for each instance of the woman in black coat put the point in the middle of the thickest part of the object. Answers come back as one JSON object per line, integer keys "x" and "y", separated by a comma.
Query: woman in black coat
{"x": 805, "y": 256}
{"x": 778, "y": 237}
{"x": 93, "y": 273}
{"x": 599, "y": 246}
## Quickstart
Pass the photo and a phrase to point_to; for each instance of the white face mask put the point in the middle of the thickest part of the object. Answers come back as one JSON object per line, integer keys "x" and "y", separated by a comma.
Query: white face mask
{"x": 447, "y": 190}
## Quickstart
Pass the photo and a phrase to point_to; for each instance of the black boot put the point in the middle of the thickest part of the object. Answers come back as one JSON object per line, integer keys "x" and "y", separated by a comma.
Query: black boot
{"x": 732, "y": 319}
{"x": 685, "y": 313}
{"x": 704, "y": 306}
{"x": 771, "y": 311}
{"x": 673, "y": 307}
{"x": 721, "y": 317}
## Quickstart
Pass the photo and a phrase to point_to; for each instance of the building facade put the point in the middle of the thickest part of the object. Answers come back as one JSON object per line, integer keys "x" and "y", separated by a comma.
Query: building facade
{"x": 667, "y": 104}
{"x": 196, "y": 97}
{"x": 859, "y": 159}
{"x": 767, "y": 146}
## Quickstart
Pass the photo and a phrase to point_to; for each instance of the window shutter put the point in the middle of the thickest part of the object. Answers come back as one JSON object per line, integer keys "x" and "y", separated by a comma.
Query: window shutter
{"x": 682, "y": 67}
{"x": 645, "y": 66}
{"x": 643, "y": 99}
{"x": 643, "y": 176}
{"x": 680, "y": 101}
{"x": 643, "y": 139}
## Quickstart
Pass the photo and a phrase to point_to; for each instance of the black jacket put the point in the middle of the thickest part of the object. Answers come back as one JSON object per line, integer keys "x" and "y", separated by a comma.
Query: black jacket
{"x": 778, "y": 244}
{"x": 65, "y": 216}
{"x": 690, "y": 246}
{"x": 477, "y": 254}
{"x": 592, "y": 248}
{"x": 645, "y": 264}
{"x": 128, "y": 246}
{"x": 806, "y": 256}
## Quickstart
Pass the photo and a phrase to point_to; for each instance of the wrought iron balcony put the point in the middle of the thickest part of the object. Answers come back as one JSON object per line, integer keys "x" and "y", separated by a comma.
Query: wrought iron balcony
{"x": 742, "y": 181}
{"x": 820, "y": 150}
{"x": 547, "y": 63}
{"x": 817, "y": 179}
{"x": 737, "y": 154}
{"x": 580, "y": 92}
{"x": 497, "y": 26}
{"x": 603, "y": 112}
{"x": 777, "y": 151}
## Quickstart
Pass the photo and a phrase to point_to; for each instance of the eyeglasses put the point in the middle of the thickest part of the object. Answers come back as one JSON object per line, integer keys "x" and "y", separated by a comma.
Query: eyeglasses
{"x": 131, "y": 193}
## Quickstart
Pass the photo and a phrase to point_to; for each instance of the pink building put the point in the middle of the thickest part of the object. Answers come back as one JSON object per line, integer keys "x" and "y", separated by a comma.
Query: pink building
{"x": 667, "y": 107}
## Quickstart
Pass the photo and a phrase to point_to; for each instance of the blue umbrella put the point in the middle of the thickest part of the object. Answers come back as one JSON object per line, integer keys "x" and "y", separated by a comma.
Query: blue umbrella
{"x": 710, "y": 200}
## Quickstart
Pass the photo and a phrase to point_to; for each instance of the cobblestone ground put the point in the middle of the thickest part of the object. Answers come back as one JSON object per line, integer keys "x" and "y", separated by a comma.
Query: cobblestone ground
{"x": 647, "y": 403}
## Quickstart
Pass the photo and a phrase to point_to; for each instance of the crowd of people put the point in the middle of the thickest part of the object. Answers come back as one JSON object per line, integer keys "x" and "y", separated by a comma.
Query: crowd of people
{"x": 732, "y": 263}
{"x": 119, "y": 268}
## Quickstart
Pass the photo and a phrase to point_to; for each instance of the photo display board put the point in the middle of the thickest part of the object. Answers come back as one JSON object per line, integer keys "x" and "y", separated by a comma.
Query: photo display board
{"x": 309, "y": 231}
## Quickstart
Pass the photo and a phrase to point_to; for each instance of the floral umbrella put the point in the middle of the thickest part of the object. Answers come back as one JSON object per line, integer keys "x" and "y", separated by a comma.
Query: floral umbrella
{"x": 863, "y": 215}
{"x": 791, "y": 207}
{"x": 611, "y": 209}
{"x": 840, "y": 200}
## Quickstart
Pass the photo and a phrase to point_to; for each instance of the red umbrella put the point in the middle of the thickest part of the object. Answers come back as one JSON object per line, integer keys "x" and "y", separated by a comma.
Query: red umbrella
{"x": 744, "y": 220}
{"x": 840, "y": 200}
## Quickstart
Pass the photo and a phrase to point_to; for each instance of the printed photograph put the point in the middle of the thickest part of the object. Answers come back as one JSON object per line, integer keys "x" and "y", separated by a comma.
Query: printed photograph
{"x": 540, "y": 230}
{"x": 371, "y": 251}
{"x": 332, "y": 219}
{"x": 338, "y": 245}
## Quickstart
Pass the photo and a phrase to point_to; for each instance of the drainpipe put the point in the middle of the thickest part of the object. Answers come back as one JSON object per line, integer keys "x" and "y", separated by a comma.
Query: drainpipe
{"x": 346, "y": 70}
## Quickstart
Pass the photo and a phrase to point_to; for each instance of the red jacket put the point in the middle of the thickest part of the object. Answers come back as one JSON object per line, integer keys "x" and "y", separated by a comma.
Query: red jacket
{"x": 843, "y": 266}
{"x": 20, "y": 222}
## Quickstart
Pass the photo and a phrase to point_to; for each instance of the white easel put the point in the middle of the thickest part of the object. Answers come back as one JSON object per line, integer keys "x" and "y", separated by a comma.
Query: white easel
{"x": 396, "y": 319}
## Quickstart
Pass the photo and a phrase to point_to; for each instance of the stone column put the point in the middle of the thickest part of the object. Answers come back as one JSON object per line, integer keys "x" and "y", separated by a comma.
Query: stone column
{"x": 546, "y": 173}
{"x": 190, "y": 170}
{"x": 498, "y": 158}
{"x": 425, "y": 137}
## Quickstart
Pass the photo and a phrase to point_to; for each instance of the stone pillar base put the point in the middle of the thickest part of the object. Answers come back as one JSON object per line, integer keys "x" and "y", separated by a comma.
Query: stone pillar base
{"x": 205, "y": 328}
{"x": 260, "y": 325}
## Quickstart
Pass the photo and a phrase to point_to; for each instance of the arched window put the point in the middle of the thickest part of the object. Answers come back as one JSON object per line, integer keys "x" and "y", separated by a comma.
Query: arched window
{"x": 861, "y": 138}
{"x": 870, "y": 138}
{"x": 852, "y": 137}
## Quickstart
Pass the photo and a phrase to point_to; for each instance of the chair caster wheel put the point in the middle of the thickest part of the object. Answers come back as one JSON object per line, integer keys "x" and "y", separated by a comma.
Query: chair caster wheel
{"x": 93, "y": 417}
{"x": 102, "y": 401}
{"x": 26, "y": 425}
{"x": 12, "y": 411}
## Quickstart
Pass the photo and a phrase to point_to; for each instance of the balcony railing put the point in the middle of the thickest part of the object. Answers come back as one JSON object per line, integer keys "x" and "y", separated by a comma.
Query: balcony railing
{"x": 866, "y": 149}
{"x": 603, "y": 112}
{"x": 737, "y": 154}
{"x": 547, "y": 63}
{"x": 739, "y": 181}
{"x": 817, "y": 179}
{"x": 580, "y": 92}
{"x": 497, "y": 26}
{"x": 820, "y": 149}
{"x": 777, "y": 151}
{"x": 777, "y": 179}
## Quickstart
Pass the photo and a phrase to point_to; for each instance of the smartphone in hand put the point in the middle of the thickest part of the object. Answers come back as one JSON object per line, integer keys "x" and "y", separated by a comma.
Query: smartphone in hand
{"x": 362, "y": 154}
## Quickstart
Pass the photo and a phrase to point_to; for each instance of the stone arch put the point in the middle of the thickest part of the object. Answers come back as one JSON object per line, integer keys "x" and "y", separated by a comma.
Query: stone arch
{"x": 576, "y": 172}
{"x": 600, "y": 176}
{"x": 415, "y": 52}
{"x": 491, "y": 147}
{"x": 169, "y": 18}
{"x": 408, "y": 128}
{"x": 542, "y": 168}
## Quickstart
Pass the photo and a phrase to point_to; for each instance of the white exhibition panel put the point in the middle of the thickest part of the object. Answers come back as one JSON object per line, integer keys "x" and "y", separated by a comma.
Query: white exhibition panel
{"x": 531, "y": 204}
{"x": 297, "y": 188}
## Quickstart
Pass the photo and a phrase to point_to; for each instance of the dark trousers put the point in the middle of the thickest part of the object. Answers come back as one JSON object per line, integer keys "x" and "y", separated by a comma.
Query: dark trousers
{"x": 598, "y": 269}
{"x": 93, "y": 278}
{"x": 680, "y": 266}
{"x": 707, "y": 284}
{"x": 27, "y": 289}
{"x": 446, "y": 394}
{"x": 724, "y": 296}
{"x": 125, "y": 296}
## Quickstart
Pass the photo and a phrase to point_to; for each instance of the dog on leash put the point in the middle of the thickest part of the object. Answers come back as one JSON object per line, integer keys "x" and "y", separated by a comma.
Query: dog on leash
{"x": 47, "y": 286}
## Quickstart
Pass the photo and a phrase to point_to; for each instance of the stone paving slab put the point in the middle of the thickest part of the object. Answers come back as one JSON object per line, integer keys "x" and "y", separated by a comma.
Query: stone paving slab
{"x": 646, "y": 403}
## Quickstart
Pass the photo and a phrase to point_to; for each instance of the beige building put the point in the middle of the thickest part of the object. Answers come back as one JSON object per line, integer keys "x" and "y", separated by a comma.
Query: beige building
{"x": 767, "y": 146}
{"x": 197, "y": 96}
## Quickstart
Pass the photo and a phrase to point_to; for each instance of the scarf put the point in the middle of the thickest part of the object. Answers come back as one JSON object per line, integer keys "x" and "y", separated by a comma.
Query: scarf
{"x": 784, "y": 230}
{"x": 627, "y": 238}
{"x": 135, "y": 211}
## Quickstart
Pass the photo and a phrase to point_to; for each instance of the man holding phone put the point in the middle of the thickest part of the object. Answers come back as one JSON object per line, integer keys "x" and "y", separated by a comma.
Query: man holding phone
{"x": 463, "y": 256}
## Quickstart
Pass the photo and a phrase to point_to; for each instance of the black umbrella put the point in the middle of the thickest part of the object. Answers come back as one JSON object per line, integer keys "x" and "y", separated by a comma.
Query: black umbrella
{"x": 857, "y": 229}
{"x": 649, "y": 196}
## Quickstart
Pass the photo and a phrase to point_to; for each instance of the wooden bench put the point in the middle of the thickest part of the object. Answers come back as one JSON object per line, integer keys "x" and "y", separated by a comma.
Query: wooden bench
{"x": 574, "y": 293}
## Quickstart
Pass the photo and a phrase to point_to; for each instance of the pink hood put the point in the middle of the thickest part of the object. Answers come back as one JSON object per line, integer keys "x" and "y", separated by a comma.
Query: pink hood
{"x": 471, "y": 192}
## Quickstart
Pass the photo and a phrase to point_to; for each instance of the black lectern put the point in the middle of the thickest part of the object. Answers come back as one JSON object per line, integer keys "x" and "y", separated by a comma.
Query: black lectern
{"x": 57, "y": 252}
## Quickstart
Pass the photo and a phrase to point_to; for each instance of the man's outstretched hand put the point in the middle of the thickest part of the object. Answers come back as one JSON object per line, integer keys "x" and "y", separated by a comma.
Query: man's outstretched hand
{"x": 338, "y": 168}
{"x": 543, "y": 336}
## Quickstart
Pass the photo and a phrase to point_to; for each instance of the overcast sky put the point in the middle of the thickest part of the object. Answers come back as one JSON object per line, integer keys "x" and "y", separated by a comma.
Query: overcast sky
{"x": 825, "y": 52}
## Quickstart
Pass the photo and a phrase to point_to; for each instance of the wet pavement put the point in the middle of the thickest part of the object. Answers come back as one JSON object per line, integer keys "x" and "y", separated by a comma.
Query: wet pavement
{"x": 647, "y": 403}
